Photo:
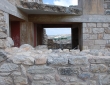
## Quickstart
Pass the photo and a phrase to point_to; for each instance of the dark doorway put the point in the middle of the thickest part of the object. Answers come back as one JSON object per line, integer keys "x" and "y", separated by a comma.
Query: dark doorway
{"x": 76, "y": 33}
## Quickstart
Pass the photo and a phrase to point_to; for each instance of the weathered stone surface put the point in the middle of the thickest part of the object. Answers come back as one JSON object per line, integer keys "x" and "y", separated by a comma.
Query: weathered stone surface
{"x": 105, "y": 80}
{"x": 15, "y": 73}
{"x": 91, "y": 24}
{"x": 9, "y": 42}
{"x": 105, "y": 25}
{"x": 38, "y": 77}
{"x": 23, "y": 70}
{"x": 2, "y": 56}
{"x": 21, "y": 59}
{"x": 99, "y": 24}
{"x": 20, "y": 80}
{"x": 2, "y": 44}
{"x": 98, "y": 30}
{"x": 26, "y": 47}
{"x": 2, "y": 35}
{"x": 98, "y": 68}
{"x": 84, "y": 76}
{"x": 6, "y": 81}
{"x": 66, "y": 71}
{"x": 100, "y": 42}
{"x": 57, "y": 61}
{"x": 40, "y": 70}
{"x": 77, "y": 83}
{"x": 40, "y": 60}
{"x": 42, "y": 83}
{"x": 7, "y": 67}
{"x": 78, "y": 60}
{"x": 106, "y": 36}
{"x": 107, "y": 30}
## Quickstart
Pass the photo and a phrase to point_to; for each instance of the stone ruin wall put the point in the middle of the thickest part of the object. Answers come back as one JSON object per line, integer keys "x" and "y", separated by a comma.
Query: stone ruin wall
{"x": 40, "y": 66}
{"x": 5, "y": 41}
{"x": 96, "y": 35}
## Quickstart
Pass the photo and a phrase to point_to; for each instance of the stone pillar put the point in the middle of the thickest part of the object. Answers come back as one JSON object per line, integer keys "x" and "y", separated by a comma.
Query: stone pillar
{"x": 5, "y": 40}
{"x": 45, "y": 38}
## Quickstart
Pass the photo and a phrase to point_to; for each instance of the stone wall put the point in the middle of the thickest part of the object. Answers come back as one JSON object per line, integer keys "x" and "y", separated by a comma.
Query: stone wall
{"x": 40, "y": 66}
{"x": 5, "y": 41}
{"x": 96, "y": 35}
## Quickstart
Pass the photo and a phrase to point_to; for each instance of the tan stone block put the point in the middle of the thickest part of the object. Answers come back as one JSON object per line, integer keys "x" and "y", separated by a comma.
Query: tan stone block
{"x": 100, "y": 36}
{"x": 40, "y": 60}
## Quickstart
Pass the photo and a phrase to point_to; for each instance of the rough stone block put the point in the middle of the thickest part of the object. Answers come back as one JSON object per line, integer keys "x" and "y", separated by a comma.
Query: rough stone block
{"x": 40, "y": 70}
{"x": 88, "y": 42}
{"x": 100, "y": 36}
{"x": 99, "y": 24}
{"x": 98, "y": 30}
{"x": 105, "y": 24}
{"x": 78, "y": 60}
{"x": 66, "y": 71}
{"x": 57, "y": 61}
{"x": 100, "y": 42}
{"x": 84, "y": 76}
{"x": 93, "y": 36}
{"x": 85, "y": 36}
{"x": 84, "y": 25}
{"x": 91, "y": 24}
{"x": 40, "y": 60}
{"x": 96, "y": 68}
{"x": 3, "y": 56}
{"x": 2, "y": 35}
{"x": 107, "y": 30}
{"x": 8, "y": 67}
{"x": 87, "y": 30}
{"x": 106, "y": 36}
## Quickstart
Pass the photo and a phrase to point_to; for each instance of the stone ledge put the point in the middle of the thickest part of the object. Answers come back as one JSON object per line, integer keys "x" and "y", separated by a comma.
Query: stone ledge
{"x": 49, "y": 9}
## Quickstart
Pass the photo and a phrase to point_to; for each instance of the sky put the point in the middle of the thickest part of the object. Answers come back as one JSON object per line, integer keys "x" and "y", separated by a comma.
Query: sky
{"x": 54, "y": 31}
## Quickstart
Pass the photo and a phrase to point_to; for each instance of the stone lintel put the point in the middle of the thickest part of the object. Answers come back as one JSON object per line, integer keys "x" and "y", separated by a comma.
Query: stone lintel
{"x": 36, "y": 8}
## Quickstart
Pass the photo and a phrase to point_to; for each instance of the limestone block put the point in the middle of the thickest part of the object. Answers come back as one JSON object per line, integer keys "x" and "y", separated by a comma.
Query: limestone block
{"x": 98, "y": 30}
{"x": 20, "y": 80}
{"x": 95, "y": 68}
{"x": 88, "y": 42}
{"x": 78, "y": 60}
{"x": 84, "y": 25}
{"x": 91, "y": 24}
{"x": 40, "y": 70}
{"x": 8, "y": 67}
{"x": 3, "y": 56}
{"x": 99, "y": 24}
{"x": 93, "y": 36}
{"x": 105, "y": 80}
{"x": 86, "y": 36}
{"x": 42, "y": 83}
{"x": 6, "y": 81}
{"x": 100, "y": 42}
{"x": 38, "y": 77}
{"x": 107, "y": 30}
{"x": 106, "y": 36}
{"x": 22, "y": 59}
{"x": 105, "y": 24}
{"x": 2, "y": 35}
{"x": 100, "y": 36}
{"x": 40, "y": 60}
{"x": 92, "y": 82}
{"x": 15, "y": 73}
{"x": 2, "y": 45}
{"x": 84, "y": 76}
{"x": 87, "y": 30}
{"x": 9, "y": 42}
{"x": 57, "y": 61}
{"x": 67, "y": 71}
{"x": 26, "y": 47}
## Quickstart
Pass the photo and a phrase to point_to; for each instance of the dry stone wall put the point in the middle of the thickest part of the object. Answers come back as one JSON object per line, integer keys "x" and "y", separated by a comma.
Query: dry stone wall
{"x": 5, "y": 41}
{"x": 96, "y": 35}
{"x": 40, "y": 66}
